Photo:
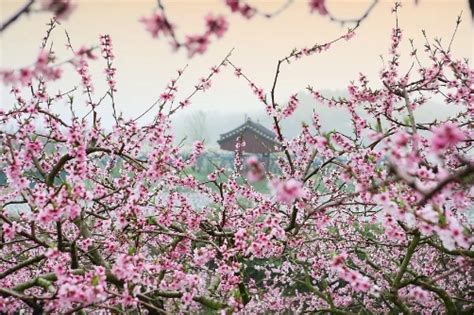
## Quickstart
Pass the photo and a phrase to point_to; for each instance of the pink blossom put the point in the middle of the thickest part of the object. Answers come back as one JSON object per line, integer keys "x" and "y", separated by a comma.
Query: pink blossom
{"x": 446, "y": 136}
{"x": 241, "y": 7}
{"x": 291, "y": 106}
{"x": 156, "y": 24}
{"x": 247, "y": 11}
{"x": 4, "y": 304}
{"x": 349, "y": 35}
{"x": 233, "y": 5}
{"x": 26, "y": 75}
{"x": 8, "y": 76}
{"x": 166, "y": 96}
{"x": 42, "y": 60}
{"x": 319, "y": 6}
{"x": 62, "y": 9}
{"x": 288, "y": 191}
{"x": 196, "y": 44}
{"x": 216, "y": 25}
{"x": 256, "y": 171}
{"x": 86, "y": 52}
{"x": 401, "y": 138}
{"x": 8, "y": 231}
{"x": 212, "y": 177}
{"x": 339, "y": 260}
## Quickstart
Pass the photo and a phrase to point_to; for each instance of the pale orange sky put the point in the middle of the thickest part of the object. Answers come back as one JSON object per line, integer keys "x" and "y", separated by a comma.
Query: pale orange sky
{"x": 145, "y": 65}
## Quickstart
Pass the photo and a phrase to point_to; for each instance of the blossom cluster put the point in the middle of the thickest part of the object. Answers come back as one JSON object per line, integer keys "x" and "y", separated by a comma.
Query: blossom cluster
{"x": 158, "y": 24}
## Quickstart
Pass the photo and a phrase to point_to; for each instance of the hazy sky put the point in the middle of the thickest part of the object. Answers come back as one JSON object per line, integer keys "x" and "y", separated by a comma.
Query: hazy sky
{"x": 145, "y": 65}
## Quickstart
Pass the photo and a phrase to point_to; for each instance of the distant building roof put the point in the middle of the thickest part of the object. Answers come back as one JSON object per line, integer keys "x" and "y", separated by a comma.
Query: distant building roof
{"x": 258, "y": 139}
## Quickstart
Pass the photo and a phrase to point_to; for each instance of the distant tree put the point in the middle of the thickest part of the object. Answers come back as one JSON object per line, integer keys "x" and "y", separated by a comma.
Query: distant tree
{"x": 197, "y": 126}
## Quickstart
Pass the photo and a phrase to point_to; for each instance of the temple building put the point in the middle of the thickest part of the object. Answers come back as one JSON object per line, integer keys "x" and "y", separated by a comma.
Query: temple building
{"x": 258, "y": 139}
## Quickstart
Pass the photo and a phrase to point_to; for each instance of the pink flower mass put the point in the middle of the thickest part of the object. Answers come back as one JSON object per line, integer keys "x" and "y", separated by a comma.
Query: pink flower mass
{"x": 109, "y": 212}
{"x": 446, "y": 136}
{"x": 288, "y": 191}
{"x": 157, "y": 24}
{"x": 318, "y": 6}
{"x": 256, "y": 171}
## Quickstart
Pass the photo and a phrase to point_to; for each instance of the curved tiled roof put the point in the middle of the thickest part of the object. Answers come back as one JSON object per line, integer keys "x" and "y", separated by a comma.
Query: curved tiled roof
{"x": 256, "y": 127}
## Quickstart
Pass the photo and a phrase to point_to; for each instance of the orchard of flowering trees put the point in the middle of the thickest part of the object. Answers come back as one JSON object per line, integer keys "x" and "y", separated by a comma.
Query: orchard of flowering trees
{"x": 98, "y": 220}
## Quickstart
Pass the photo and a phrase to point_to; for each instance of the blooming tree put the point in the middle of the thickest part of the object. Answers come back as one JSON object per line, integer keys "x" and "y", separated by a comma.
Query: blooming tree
{"x": 375, "y": 221}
